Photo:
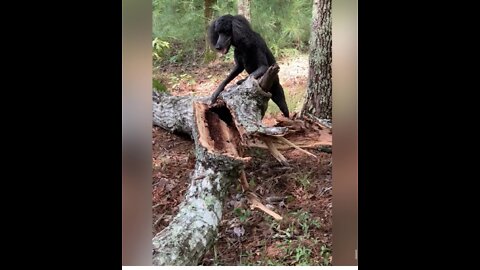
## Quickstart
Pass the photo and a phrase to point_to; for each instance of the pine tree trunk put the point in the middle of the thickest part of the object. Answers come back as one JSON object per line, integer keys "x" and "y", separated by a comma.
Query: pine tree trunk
{"x": 208, "y": 11}
{"x": 318, "y": 101}
{"x": 209, "y": 54}
{"x": 243, "y": 7}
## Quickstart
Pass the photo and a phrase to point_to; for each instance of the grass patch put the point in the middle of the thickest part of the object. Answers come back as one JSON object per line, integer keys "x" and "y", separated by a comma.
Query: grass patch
{"x": 304, "y": 180}
{"x": 293, "y": 97}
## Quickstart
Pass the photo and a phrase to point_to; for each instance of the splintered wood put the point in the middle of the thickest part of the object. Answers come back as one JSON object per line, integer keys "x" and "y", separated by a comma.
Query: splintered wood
{"x": 282, "y": 139}
{"x": 215, "y": 135}
{"x": 255, "y": 203}
{"x": 254, "y": 199}
{"x": 301, "y": 134}
{"x": 243, "y": 181}
{"x": 273, "y": 150}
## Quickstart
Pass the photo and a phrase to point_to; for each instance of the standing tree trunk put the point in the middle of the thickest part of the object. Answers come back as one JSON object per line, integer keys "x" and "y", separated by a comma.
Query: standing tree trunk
{"x": 318, "y": 101}
{"x": 243, "y": 7}
{"x": 208, "y": 12}
{"x": 209, "y": 54}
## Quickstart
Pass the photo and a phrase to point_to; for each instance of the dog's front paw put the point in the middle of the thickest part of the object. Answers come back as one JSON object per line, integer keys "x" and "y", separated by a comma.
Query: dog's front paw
{"x": 212, "y": 101}
{"x": 240, "y": 81}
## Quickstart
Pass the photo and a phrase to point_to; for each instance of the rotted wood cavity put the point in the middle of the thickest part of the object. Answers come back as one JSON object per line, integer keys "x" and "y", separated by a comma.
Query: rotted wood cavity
{"x": 217, "y": 130}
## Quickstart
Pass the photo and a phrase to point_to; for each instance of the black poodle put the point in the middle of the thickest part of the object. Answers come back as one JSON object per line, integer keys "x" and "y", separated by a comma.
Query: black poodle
{"x": 251, "y": 53}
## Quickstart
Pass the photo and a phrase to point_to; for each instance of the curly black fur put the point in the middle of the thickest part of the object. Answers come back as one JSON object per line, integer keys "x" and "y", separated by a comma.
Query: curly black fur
{"x": 251, "y": 53}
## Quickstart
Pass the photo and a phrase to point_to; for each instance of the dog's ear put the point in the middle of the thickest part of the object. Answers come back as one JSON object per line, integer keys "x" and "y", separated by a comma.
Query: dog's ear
{"x": 241, "y": 30}
{"x": 212, "y": 34}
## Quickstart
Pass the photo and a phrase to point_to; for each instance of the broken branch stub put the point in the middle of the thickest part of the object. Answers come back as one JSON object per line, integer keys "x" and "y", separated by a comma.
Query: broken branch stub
{"x": 247, "y": 104}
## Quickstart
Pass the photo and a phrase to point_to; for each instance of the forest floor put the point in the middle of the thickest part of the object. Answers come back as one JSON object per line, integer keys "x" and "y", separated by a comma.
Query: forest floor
{"x": 304, "y": 236}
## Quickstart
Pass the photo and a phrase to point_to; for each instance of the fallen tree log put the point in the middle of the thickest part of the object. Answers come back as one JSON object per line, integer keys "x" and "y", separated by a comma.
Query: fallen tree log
{"x": 220, "y": 131}
{"x": 193, "y": 229}
{"x": 173, "y": 113}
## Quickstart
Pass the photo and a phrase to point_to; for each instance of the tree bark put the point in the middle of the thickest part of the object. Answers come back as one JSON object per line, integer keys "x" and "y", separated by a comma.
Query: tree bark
{"x": 209, "y": 54}
{"x": 218, "y": 131}
{"x": 243, "y": 8}
{"x": 173, "y": 113}
{"x": 193, "y": 230}
{"x": 208, "y": 11}
{"x": 318, "y": 101}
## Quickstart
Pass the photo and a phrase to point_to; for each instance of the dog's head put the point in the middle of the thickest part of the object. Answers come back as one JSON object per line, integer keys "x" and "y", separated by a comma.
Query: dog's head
{"x": 230, "y": 30}
{"x": 220, "y": 33}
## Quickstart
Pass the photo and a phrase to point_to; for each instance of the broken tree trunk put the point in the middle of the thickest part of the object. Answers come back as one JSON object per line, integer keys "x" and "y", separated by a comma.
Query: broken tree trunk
{"x": 173, "y": 113}
{"x": 219, "y": 132}
{"x": 194, "y": 228}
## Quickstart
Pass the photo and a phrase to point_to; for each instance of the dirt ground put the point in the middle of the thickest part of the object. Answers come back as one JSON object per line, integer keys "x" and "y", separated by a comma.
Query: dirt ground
{"x": 301, "y": 192}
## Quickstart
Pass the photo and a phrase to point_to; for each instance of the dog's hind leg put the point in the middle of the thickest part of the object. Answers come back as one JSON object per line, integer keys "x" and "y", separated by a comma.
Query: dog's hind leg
{"x": 278, "y": 97}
